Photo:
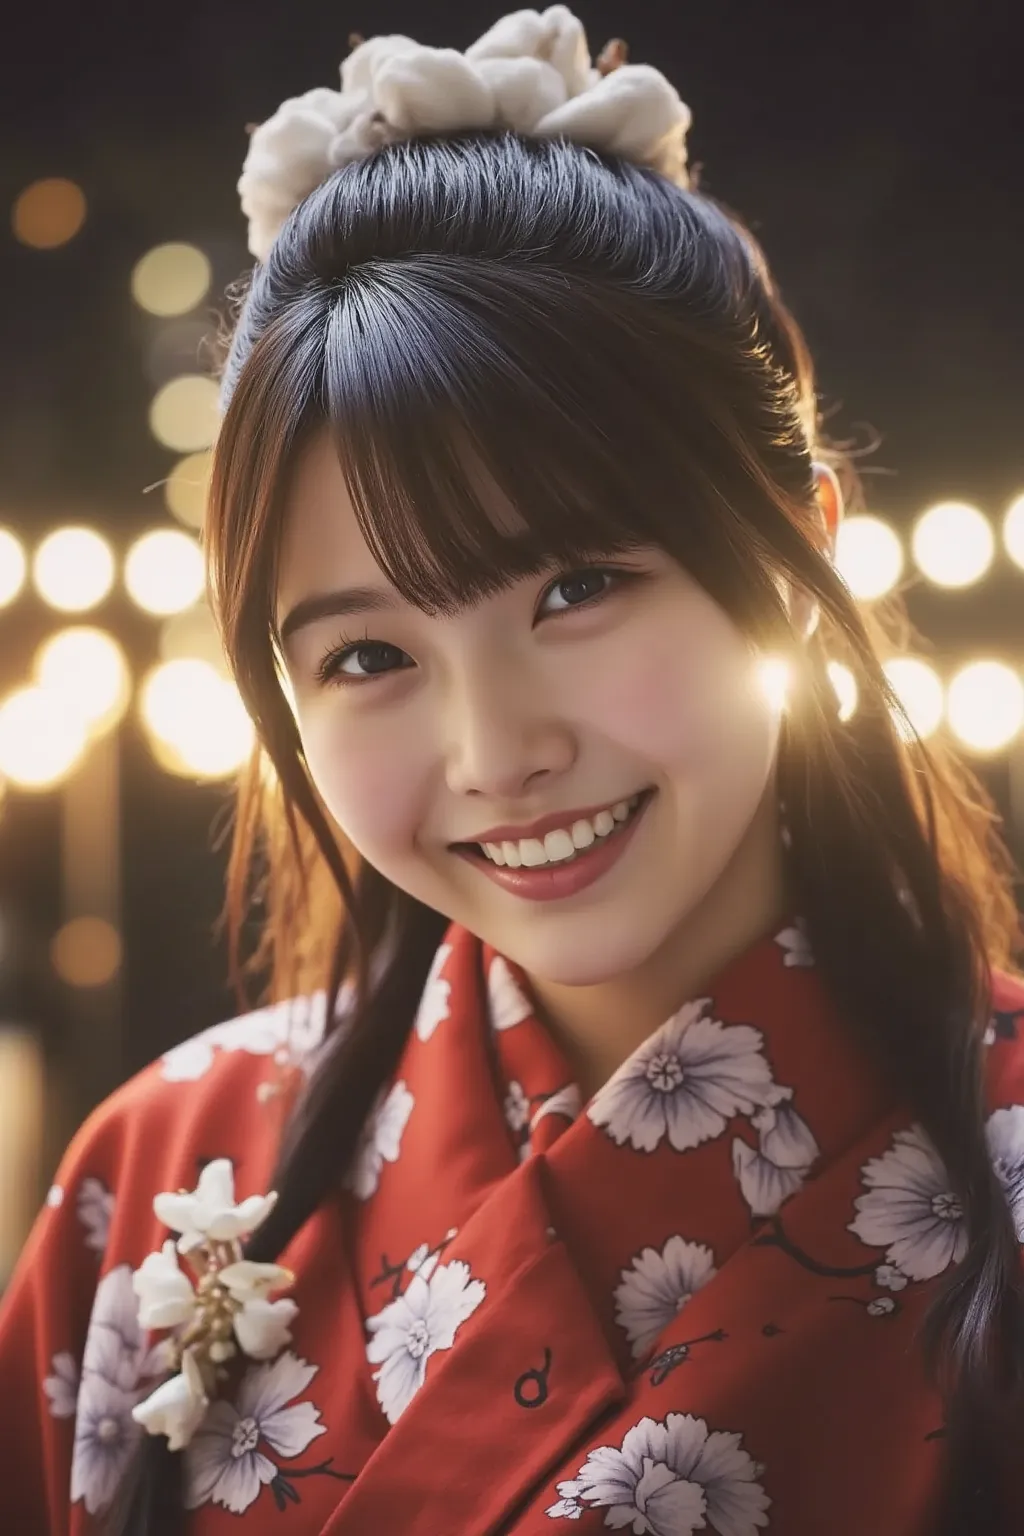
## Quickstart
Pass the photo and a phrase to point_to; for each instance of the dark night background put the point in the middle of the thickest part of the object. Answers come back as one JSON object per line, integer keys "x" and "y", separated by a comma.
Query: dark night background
{"x": 876, "y": 150}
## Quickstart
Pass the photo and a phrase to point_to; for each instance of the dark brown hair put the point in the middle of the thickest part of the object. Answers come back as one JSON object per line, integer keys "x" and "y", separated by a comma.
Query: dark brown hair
{"x": 611, "y": 352}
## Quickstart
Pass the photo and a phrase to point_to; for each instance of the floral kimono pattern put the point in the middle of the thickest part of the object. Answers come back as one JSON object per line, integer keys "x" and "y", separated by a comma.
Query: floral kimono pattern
{"x": 688, "y": 1305}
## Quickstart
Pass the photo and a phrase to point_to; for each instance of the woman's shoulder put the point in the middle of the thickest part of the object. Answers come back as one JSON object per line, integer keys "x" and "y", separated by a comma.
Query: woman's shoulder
{"x": 222, "y": 1093}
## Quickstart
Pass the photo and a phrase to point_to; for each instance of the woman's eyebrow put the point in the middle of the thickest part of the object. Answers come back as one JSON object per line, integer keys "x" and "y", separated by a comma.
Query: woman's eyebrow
{"x": 326, "y": 605}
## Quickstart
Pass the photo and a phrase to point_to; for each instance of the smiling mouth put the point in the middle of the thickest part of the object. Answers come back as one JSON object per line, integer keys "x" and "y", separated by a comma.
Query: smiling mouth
{"x": 637, "y": 803}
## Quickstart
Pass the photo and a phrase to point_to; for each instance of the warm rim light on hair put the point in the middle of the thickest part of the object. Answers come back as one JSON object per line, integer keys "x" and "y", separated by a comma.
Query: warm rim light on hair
{"x": 845, "y": 685}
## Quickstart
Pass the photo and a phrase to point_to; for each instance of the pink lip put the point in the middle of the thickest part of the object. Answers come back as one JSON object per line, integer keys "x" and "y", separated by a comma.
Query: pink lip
{"x": 543, "y": 825}
{"x": 554, "y": 881}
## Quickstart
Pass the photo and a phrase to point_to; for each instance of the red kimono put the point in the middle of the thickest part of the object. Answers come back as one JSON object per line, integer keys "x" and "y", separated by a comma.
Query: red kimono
{"x": 689, "y": 1305}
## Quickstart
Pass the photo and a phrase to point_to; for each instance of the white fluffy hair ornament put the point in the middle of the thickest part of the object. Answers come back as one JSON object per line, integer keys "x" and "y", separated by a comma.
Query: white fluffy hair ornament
{"x": 531, "y": 72}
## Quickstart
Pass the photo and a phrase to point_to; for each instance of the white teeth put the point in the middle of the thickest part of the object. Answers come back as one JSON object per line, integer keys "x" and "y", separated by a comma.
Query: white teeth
{"x": 562, "y": 844}
{"x": 582, "y": 834}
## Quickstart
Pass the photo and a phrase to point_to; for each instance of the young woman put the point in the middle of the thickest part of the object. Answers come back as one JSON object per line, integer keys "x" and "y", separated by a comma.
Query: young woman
{"x": 643, "y": 1146}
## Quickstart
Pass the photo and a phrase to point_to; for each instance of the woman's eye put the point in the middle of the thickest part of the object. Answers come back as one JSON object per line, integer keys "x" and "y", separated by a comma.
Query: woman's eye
{"x": 583, "y": 588}
{"x": 374, "y": 657}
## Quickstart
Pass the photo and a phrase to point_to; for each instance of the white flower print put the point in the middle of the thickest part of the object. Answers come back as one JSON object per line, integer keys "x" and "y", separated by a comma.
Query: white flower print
{"x": 210, "y": 1210}
{"x": 909, "y": 1209}
{"x": 95, "y": 1207}
{"x": 786, "y": 1152}
{"x": 568, "y": 1506}
{"x": 517, "y": 1107}
{"x": 55, "y": 1196}
{"x": 295, "y": 1025}
{"x": 890, "y": 1278}
{"x": 420, "y": 1322}
{"x": 433, "y": 1008}
{"x": 508, "y": 1005}
{"x": 796, "y": 944}
{"x": 657, "y": 1286}
{"x": 62, "y": 1387}
{"x": 882, "y": 1306}
{"x": 670, "y": 1478}
{"x": 117, "y": 1365}
{"x": 226, "y": 1461}
{"x": 380, "y": 1140}
{"x": 1005, "y": 1134}
{"x": 685, "y": 1083}
{"x": 568, "y": 1101}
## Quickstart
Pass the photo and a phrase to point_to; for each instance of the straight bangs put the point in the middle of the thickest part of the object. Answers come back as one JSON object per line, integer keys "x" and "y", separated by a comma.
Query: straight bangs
{"x": 493, "y": 421}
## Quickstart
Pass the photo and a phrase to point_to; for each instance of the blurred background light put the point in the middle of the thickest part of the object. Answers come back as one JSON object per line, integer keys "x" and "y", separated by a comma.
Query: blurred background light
{"x": 1013, "y": 531}
{"x": 187, "y": 487}
{"x": 13, "y": 566}
{"x": 919, "y": 689}
{"x": 40, "y": 739}
{"x": 163, "y": 571}
{"x": 192, "y": 635}
{"x": 183, "y": 414}
{"x": 953, "y": 544}
{"x": 773, "y": 677}
{"x": 985, "y": 707}
{"x": 73, "y": 569}
{"x": 22, "y": 1114}
{"x": 178, "y": 347}
{"x": 171, "y": 279}
{"x": 197, "y": 716}
{"x": 845, "y": 685}
{"x": 88, "y": 670}
{"x": 49, "y": 213}
{"x": 86, "y": 952}
{"x": 869, "y": 556}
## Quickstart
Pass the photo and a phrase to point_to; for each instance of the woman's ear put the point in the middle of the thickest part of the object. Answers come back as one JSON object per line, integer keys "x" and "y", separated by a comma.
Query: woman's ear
{"x": 829, "y": 495}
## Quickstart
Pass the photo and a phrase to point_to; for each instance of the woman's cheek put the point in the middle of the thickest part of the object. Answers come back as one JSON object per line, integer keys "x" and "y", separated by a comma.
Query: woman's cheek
{"x": 368, "y": 787}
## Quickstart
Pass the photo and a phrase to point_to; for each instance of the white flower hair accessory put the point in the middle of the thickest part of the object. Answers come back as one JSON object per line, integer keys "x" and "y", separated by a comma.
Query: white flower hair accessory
{"x": 531, "y": 72}
{"x": 221, "y": 1309}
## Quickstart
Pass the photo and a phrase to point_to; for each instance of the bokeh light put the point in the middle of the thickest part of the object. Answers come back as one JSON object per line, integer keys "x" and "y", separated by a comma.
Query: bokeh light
{"x": 171, "y": 279}
{"x": 73, "y": 569}
{"x": 187, "y": 488}
{"x": 869, "y": 556}
{"x": 88, "y": 670}
{"x": 953, "y": 544}
{"x": 919, "y": 689}
{"x": 163, "y": 571}
{"x": 845, "y": 685}
{"x": 49, "y": 213}
{"x": 192, "y": 635}
{"x": 86, "y": 952}
{"x": 985, "y": 707}
{"x": 192, "y": 710}
{"x": 40, "y": 740}
{"x": 183, "y": 415}
{"x": 773, "y": 680}
{"x": 1013, "y": 531}
{"x": 13, "y": 566}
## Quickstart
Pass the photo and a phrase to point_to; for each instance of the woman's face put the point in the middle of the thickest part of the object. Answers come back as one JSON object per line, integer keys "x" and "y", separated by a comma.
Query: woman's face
{"x": 558, "y": 696}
